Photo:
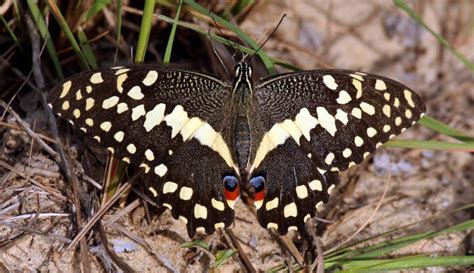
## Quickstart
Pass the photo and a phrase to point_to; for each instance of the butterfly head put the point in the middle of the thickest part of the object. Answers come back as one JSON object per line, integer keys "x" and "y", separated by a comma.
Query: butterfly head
{"x": 243, "y": 76}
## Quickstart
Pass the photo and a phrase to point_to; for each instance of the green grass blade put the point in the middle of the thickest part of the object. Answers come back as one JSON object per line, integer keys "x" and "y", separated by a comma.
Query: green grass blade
{"x": 169, "y": 46}
{"x": 349, "y": 251}
{"x": 86, "y": 49}
{"x": 10, "y": 31}
{"x": 119, "y": 29}
{"x": 387, "y": 247}
{"x": 44, "y": 32}
{"x": 96, "y": 7}
{"x": 145, "y": 29}
{"x": 404, "y": 263}
{"x": 444, "y": 129}
{"x": 64, "y": 26}
{"x": 430, "y": 145}
{"x": 403, "y": 5}
{"x": 261, "y": 53}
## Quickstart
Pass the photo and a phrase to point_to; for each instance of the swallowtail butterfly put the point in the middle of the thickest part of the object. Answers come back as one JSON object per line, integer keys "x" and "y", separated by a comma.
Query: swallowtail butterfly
{"x": 199, "y": 137}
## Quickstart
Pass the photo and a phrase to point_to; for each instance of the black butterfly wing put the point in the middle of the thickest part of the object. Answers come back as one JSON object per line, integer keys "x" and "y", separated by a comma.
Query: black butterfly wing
{"x": 308, "y": 126}
{"x": 172, "y": 123}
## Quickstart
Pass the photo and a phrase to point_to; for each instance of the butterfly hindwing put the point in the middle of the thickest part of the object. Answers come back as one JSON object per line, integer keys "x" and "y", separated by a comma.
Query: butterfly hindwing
{"x": 174, "y": 124}
{"x": 307, "y": 126}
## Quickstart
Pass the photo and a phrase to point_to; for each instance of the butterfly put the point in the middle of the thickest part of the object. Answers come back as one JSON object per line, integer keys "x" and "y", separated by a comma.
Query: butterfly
{"x": 199, "y": 138}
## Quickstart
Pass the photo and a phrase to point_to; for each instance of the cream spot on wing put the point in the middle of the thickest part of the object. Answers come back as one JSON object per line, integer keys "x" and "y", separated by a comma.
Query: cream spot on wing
{"x": 153, "y": 191}
{"x": 342, "y": 116}
{"x": 96, "y": 78}
{"x": 66, "y": 88}
{"x": 307, "y": 217}
{"x": 65, "y": 105}
{"x": 386, "y": 96}
{"x": 149, "y": 155}
{"x": 320, "y": 206}
{"x": 89, "y": 122}
{"x": 386, "y": 110}
{"x": 97, "y": 138}
{"x": 292, "y": 129}
{"x": 161, "y": 170}
{"x": 184, "y": 219}
{"x": 145, "y": 167}
{"x": 200, "y": 211}
{"x": 126, "y": 159}
{"x": 292, "y": 228}
{"x": 185, "y": 193}
{"x": 356, "y": 76}
{"x": 344, "y": 97}
{"x": 105, "y": 126}
{"x": 301, "y": 191}
{"x": 380, "y": 85}
{"x": 398, "y": 121}
{"x": 219, "y": 225}
{"x": 79, "y": 95}
{"x": 120, "y": 80}
{"x": 218, "y": 205}
{"x": 272, "y": 204}
{"x": 190, "y": 127}
{"x": 305, "y": 122}
{"x": 122, "y": 107}
{"x": 358, "y": 141}
{"x": 315, "y": 185}
{"x": 136, "y": 93}
{"x": 76, "y": 113}
{"x": 352, "y": 163}
{"x": 83, "y": 129}
{"x": 200, "y": 230}
{"x": 371, "y": 131}
{"x": 138, "y": 111}
{"x": 110, "y": 102}
{"x": 356, "y": 112}
{"x": 131, "y": 148}
{"x": 331, "y": 188}
{"x": 176, "y": 119}
{"x": 396, "y": 102}
{"x": 346, "y": 153}
{"x": 408, "y": 113}
{"x": 290, "y": 210}
{"x": 89, "y": 103}
{"x": 329, "y": 158}
{"x": 154, "y": 117}
{"x": 358, "y": 86}
{"x": 408, "y": 97}
{"x": 368, "y": 108}
{"x": 330, "y": 82}
{"x": 88, "y": 89}
{"x": 309, "y": 155}
{"x": 326, "y": 120}
{"x": 121, "y": 71}
{"x": 169, "y": 187}
{"x": 386, "y": 128}
{"x": 272, "y": 226}
{"x": 366, "y": 154}
{"x": 207, "y": 136}
{"x": 150, "y": 78}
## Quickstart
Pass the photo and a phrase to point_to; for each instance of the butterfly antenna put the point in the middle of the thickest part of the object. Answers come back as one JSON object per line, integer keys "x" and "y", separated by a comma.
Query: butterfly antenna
{"x": 217, "y": 54}
{"x": 231, "y": 43}
{"x": 268, "y": 38}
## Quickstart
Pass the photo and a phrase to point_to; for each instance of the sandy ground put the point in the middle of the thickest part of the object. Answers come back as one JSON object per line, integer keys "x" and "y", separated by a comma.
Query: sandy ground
{"x": 372, "y": 36}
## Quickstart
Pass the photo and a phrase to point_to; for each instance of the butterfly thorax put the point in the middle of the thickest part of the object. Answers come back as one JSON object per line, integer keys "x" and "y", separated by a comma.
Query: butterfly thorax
{"x": 241, "y": 92}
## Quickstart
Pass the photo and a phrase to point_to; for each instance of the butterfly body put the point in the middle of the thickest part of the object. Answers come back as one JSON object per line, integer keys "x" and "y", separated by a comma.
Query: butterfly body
{"x": 286, "y": 136}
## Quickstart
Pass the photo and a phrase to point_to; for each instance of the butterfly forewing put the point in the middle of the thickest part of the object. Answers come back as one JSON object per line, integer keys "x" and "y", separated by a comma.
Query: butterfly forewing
{"x": 174, "y": 124}
{"x": 307, "y": 126}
